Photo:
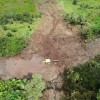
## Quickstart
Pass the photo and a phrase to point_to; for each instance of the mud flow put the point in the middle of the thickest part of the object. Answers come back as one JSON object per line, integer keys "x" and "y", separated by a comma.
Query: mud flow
{"x": 54, "y": 39}
{"x": 18, "y": 67}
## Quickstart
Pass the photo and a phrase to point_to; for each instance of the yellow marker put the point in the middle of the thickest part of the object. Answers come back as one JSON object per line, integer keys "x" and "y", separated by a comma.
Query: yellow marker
{"x": 94, "y": 40}
{"x": 44, "y": 62}
{"x": 85, "y": 41}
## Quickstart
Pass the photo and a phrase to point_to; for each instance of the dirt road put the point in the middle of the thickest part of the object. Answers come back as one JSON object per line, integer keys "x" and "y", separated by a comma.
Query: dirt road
{"x": 54, "y": 39}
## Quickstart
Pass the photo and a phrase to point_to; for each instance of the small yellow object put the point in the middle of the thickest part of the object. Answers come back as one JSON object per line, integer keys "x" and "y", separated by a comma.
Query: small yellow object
{"x": 46, "y": 61}
{"x": 94, "y": 40}
{"x": 85, "y": 41}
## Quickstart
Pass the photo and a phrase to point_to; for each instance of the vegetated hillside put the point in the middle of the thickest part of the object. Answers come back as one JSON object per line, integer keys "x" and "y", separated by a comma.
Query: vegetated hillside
{"x": 18, "y": 19}
{"x": 84, "y": 12}
{"x": 83, "y": 81}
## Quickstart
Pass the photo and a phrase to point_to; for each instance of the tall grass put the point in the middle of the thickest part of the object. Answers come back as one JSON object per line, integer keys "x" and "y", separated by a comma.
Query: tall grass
{"x": 89, "y": 9}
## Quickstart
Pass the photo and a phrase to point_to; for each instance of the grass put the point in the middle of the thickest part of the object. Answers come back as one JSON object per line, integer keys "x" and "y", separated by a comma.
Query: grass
{"x": 15, "y": 25}
{"x": 17, "y": 6}
{"x": 24, "y": 29}
{"x": 89, "y": 9}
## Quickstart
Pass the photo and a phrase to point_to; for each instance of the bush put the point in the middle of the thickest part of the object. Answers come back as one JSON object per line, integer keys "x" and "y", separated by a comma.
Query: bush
{"x": 10, "y": 46}
{"x": 18, "y": 17}
{"x": 80, "y": 20}
{"x": 83, "y": 82}
{"x": 25, "y": 17}
{"x": 75, "y": 2}
{"x": 91, "y": 32}
{"x": 11, "y": 90}
{"x": 26, "y": 14}
{"x": 14, "y": 30}
{"x": 24, "y": 89}
{"x": 9, "y": 34}
{"x": 5, "y": 27}
{"x": 34, "y": 87}
{"x": 73, "y": 19}
{"x": 98, "y": 95}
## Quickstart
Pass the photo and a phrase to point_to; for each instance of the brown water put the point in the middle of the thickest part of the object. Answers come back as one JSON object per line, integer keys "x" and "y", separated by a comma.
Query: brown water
{"x": 18, "y": 67}
{"x": 93, "y": 48}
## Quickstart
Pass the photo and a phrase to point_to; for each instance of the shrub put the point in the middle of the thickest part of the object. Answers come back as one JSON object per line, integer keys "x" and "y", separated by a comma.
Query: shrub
{"x": 91, "y": 32}
{"x": 14, "y": 30}
{"x": 5, "y": 27}
{"x": 80, "y": 20}
{"x": 26, "y": 14}
{"x": 75, "y": 2}
{"x": 18, "y": 17}
{"x": 24, "y": 17}
{"x": 30, "y": 29}
{"x": 33, "y": 16}
{"x": 28, "y": 26}
{"x": 10, "y": 46}
{"x": 71, "y": 18}
{"x": 9, "y": 34}
{"x": 84, "y": 6}
{"x": 98, "y": 95}
{"x": 11, "y": 90}
{"x": 24, "y": 89}
{"x": 34, "y": 87}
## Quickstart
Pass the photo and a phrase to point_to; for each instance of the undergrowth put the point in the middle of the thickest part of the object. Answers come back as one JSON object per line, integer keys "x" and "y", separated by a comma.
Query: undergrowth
{"x": 24, "y": 89}
{"x": 83, "y": 82}
{"x": 11, "y": 46}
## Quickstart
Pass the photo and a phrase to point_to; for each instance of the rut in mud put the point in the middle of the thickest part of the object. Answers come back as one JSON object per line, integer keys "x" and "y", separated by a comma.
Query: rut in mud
{"x": 54, "y": 39}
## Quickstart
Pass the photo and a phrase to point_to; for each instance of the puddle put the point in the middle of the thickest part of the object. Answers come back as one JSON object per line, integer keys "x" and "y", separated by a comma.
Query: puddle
{"x": 18, "y": 67}
{"x": 94, "y": 48}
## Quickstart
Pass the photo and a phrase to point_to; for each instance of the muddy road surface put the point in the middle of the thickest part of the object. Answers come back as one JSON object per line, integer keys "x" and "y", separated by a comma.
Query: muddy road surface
{"x": 54, "y": 39}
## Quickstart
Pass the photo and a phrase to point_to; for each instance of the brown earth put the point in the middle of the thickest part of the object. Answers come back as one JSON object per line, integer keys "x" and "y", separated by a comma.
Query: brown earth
{"x": 54, "y": 39}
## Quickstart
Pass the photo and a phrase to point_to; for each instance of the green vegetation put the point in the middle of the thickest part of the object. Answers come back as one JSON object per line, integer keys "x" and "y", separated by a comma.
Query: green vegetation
{"x": 18, "y": 19}
{"x": 34, "y": 87}
{"x": 91, "y": 32}
{"x": 84, "y": 12}
{"x": 10, "y": 46}
{"x": 83, "y": 81}
{"x": 19, "y": 24}
{"x": 24, "y": 89}
{"x": 17, "y": 6}
{"x": 11, "y": 90}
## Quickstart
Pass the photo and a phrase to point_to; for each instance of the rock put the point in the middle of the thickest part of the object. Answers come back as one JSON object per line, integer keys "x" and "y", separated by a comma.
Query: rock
{"x": 48, "y": 95}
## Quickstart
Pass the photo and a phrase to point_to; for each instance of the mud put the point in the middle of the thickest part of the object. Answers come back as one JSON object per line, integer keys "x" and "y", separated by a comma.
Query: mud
{"x": 19, "y": 67}
{"x": 54, "y": 39}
